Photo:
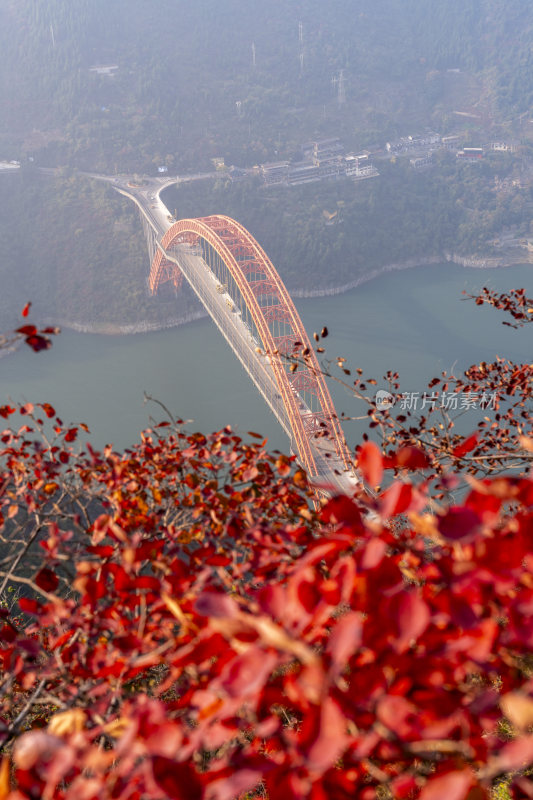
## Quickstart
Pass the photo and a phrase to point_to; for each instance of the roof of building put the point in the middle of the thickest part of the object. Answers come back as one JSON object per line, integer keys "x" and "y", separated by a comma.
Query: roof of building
{"x": 275, "y": 165}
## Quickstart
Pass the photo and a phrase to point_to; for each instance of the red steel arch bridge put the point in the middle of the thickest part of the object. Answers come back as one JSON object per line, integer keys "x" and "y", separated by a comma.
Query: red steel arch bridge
{"x": 238, "y": 285}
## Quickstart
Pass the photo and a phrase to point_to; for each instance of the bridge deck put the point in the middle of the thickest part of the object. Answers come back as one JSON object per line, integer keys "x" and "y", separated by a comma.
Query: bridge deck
{"x": 229, "y": 322}
{"x": 331, "y": 471}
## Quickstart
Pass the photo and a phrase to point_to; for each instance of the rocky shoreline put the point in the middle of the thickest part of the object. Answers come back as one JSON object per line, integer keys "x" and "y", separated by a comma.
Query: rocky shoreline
{"x": 470, "y": 262}
{"x": 489, "y": 262}
{"x": 110, "y": 329}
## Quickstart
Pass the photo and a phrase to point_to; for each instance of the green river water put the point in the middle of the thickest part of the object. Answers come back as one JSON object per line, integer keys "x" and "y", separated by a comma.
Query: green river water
{"x": 414, "y": 322}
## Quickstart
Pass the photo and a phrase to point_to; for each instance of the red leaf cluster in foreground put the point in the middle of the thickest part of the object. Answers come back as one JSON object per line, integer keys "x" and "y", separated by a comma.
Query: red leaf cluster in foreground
{"x": 515, "y": 303}
{"x": 36, "y": 339}
{"x": 193, "y": 629}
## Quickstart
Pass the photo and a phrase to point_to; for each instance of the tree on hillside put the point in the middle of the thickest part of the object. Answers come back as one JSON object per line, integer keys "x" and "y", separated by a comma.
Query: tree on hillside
{"x": 189, "y": 626}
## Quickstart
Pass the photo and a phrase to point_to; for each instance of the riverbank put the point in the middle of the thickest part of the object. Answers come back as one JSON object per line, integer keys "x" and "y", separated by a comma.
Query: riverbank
{"x": 411, "y": 322}
{"x": 8, "y": 347}
{"x": 111, "y": 329}
{"x": 468, "y": 262}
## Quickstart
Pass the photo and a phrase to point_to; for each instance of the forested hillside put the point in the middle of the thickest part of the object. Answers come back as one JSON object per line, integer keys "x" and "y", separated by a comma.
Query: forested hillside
{"x": 76, "y": 249}
{"x": 183, "y": 68}
{"x": 330, "y": 234}
{"x": 250, "y": 81}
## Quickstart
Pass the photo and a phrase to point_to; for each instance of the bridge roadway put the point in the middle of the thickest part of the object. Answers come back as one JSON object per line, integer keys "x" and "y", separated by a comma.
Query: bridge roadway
{"x": 332, "y": 474}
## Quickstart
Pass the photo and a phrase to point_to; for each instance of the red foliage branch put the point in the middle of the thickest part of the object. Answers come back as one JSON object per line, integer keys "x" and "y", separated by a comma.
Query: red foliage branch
{"x": 216, "y": 635}
{"x": 515, "y": 303}
{"x": 187, "y": 627}
{"x": 36, "y": 339}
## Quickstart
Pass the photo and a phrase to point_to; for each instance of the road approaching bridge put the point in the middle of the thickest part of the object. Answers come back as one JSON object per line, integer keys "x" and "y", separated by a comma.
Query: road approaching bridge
{"x": 244, "y": 295}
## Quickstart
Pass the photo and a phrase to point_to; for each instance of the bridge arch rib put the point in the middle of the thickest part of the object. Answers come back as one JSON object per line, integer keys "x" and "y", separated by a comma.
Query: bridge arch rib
{"x": 248, "y": 278}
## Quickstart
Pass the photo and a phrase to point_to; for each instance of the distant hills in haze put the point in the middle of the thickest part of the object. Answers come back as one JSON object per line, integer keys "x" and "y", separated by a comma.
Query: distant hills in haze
{"x": 244, "y": 78}
{"x": 133, "y": 85}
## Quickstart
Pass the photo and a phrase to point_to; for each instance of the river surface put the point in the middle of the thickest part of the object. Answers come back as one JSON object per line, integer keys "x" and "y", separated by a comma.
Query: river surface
{"x": 414, "y": 322}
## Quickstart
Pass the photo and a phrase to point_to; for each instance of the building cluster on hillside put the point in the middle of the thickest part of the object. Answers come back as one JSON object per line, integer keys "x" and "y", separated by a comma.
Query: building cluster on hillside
{"x": 326, "y": 158}
{"x": 322, "y": 159}
{"x": 502, "y": 147}
{"x": 422, "y": 147}
{"x": 450, "y": 142}
{"x": 470, "y": 152}
{"x": 408, "y": 143}
{"x": 479, "y": 152}
{"x": 420, "y": 162}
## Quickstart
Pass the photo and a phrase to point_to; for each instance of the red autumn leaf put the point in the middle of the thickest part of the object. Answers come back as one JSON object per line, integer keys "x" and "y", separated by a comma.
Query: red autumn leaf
{"x": 28, "y": 606}
{"x": 466, "y": 446}
{"x": 121, "y": 579}
{"x": 34, "y": 747}
{"x": 331, "y": 738}
{"x": 308, "y": 594}
{"x": 250, "y": 474}
{"x": 459, "y": 524}
{"x": 191, "y": 480}
{"x": 220, "y": 561}
{"x": 525, "y": 785}
{"x": 411, "y": 458}
{"x": 485, "y": 504}
{"x": 247, "y": 673}
{"x": 339, "y": 510}
{"x": 5, "y": 411}
{"x": 71, "y": 435}
{"x": 236, "y": 784}
{"x": 398, "y": 715}
{"x": 283, "y": 466}
{"x": 515, "y": 755}
{"x": 7, "y": 634}
{"x": 373, "y": 553}
{"x": 179, "y": 781}
{"x": 147, "y": 582}
{"x": 47, "y": 580}
{"x": 26, "y": 309}
{"x": 412, "y": 619}
{"x": 27, "y": 330}
{"x": 38, "y": 343}
{"x": 345, "y": 640}
{"x": 370, "y": 463}
{"x": 403, "y": 786}
{"x": 398, "y": 498}
{"x": 215, "y": 604}
{"x": 273, "y": 600}
{"x": 48, "y": 410}
{"x": 518, "y": 708}
{"x": 452, "y": 786}
{"x": 330, "y": 591}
